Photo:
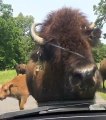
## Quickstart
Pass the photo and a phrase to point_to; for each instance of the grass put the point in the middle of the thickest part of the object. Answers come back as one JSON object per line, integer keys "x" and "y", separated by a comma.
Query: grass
{"x": 103, "y": 95}
{"x": 7, "y": 75}
{"x": 102, "y": 92}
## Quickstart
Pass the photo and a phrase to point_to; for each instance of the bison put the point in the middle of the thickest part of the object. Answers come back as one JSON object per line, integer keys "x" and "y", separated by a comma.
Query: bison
{"x": 103, "y": 70}
{"x": 20, "y": 68}
{"x": 16, "y": 88}
{"x": 63, "y": 67}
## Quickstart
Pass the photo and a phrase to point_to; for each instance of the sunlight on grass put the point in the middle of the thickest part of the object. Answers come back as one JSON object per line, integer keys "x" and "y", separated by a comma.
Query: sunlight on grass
{"x": 103, "y": 95}
{"x": 102, "y": 92}
{"x": 7, "y": 75}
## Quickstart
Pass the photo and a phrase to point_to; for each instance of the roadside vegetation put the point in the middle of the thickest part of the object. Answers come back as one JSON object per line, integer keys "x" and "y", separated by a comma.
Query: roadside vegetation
{"x": 103, "y": 95}
{"x": 7, "y": 75}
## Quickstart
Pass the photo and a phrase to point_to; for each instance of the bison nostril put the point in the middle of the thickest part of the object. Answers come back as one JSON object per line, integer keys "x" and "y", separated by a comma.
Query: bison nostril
{"x": 77, "y": 77}
{"x": 91, "y": 73}
{"x": 86, "y": 73}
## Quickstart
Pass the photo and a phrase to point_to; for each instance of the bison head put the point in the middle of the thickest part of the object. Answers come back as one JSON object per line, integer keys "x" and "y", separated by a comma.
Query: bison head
{"x": 20, "y": 68}
{"x": 70, "y": 71}
{"x": 5, "y": 91}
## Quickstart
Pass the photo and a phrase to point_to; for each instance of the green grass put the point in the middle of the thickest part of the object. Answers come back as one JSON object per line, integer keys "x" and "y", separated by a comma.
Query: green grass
{"x": 7, "y": 75}
{"x": 103, "y": 95}
{"x": 102, "y": 92}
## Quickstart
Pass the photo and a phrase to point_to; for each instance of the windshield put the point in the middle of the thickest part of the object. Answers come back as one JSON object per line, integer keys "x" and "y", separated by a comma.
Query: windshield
{"x": 52, "y": 54}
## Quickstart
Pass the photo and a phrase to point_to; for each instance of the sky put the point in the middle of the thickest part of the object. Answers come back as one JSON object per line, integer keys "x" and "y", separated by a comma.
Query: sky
{"x": 40, "y": 8}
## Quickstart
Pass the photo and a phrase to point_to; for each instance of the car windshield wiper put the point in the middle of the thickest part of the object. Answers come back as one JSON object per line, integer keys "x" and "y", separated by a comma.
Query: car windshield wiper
{"x": 53, "y": 107}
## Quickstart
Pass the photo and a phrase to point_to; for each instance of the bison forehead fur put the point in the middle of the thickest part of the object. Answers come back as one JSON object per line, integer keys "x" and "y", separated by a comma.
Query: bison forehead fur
{"x": 65, "y": 25}
{"x": 65, "y": 75}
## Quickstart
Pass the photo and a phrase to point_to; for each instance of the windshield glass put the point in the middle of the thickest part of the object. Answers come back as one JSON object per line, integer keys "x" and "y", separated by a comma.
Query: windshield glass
{"x": 52, "y": 53}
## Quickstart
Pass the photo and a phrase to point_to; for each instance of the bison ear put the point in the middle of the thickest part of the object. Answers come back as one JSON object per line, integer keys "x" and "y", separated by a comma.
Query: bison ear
{"x": 7, "y": 88}
{"x": 96, "y": 33}
{"x": 10, "y": 86}
{"x": 94, "y": 37}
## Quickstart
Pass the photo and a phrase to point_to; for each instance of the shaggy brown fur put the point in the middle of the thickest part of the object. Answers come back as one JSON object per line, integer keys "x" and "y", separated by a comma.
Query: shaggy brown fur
{"x": 65, "y": 76}
{"x": 66, "y": 27}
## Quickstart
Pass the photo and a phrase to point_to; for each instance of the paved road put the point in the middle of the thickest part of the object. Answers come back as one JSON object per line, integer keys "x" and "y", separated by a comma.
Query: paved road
{"x": 100, "y": 103}
{"x": 11, "y": 105}
{"x": 99, "y": 99}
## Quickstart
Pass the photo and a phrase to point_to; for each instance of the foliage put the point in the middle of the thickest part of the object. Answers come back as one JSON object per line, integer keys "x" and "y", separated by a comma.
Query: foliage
{"x": 102, "y": 94}
{"x": 15, "y": 39}
{"x": 100, "y": 11}
{"x": 6, "y": 10}
{"x": 7, "y": 75}
{"x": 99, "y": 52}
{"x": 26, "y": 44}
{"x": 9, "y": 36}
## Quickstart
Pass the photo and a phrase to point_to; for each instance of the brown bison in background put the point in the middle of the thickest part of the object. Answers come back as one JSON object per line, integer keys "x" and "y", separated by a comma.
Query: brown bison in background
{"x": 103, "y": 70}
{"x": 63, "y": 68}
{"x": 16, "y": 88}
{"x": 20, "y": 68}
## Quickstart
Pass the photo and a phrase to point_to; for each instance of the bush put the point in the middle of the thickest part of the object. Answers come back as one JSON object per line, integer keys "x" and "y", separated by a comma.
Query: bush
{"x": 99, "y": 53}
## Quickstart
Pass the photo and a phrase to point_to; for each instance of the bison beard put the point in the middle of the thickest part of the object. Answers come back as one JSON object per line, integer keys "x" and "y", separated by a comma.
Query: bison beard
{"x": 65, "y": 76}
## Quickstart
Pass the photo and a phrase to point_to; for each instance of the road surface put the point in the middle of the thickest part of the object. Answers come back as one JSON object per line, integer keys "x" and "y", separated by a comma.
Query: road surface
{"x": 11, "y": 105}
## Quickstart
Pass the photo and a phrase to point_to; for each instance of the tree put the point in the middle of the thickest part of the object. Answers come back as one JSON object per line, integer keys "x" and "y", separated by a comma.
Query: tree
{"x": 6, "y": 10}
{"x": 24, "y": 22}
{"x": 9, "y": 42}
{"x": 8, "y": 32}
{"x": 15, "y": 39}
{"x": 100, "y": 11}
{"x": 26, "y": 43}
{"x": 99, "y": 52}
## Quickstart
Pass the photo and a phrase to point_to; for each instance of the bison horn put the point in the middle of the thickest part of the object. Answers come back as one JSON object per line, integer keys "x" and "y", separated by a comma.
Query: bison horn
{"x": 92, "y": 25}
{"x": 36, "y": 38}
